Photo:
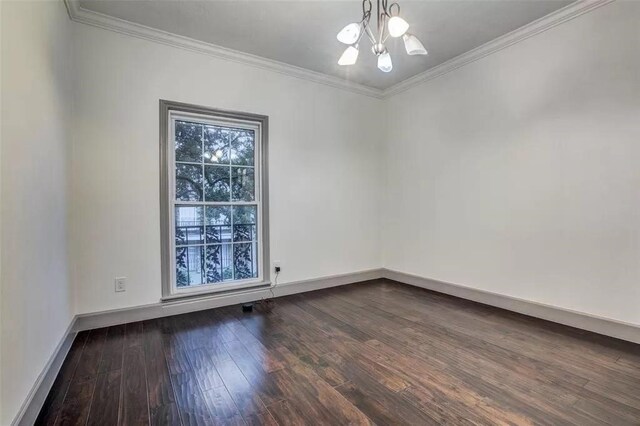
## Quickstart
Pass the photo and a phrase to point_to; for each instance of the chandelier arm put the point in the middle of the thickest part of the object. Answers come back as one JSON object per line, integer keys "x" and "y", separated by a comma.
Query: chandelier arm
{"x": 381, "y": 18}
{"x": 384, "y": 30}
{"x": 385, "y": 8}
{"x": 372, "y": 39}
{"x": 361, "y": 33}
{"x": 390, "y": 11}
{"x": 366, "y": 10}
{"x": 366, "y": 18}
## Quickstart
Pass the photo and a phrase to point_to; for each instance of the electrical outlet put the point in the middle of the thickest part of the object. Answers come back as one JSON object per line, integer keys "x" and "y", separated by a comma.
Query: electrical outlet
{"x": 121, "y": 284}
{"x": 276, "y": 266}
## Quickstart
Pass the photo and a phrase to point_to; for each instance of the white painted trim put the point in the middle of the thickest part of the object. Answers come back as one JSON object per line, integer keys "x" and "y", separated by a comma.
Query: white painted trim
{"x": 96, "y": 19}
{"x": 212, "y": 117}
{"x": 581, "y": 320}
{"x": 573, "y": 10}
{"x": 181, "y": 306}
{"x": 549, "y": 21}
{"x": 35, "y": 399}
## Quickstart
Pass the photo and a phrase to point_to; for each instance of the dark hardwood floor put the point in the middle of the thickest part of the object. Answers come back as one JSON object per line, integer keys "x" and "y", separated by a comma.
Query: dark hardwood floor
{"x": 376, "y": 352}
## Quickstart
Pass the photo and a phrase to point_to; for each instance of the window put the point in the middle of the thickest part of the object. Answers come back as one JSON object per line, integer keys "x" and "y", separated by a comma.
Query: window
{"x": 213, "y": 195}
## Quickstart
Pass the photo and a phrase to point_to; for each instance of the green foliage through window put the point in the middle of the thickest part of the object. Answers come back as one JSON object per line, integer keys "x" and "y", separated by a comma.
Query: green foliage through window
{"x": 215, "y": 243}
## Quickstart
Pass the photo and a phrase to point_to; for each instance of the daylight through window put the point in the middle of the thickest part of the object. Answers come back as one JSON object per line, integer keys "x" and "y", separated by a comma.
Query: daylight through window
{"x": 215, "y": 201}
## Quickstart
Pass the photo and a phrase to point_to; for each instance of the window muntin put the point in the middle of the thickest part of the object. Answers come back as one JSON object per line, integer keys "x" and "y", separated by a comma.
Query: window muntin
{"x": 216, "y": 214}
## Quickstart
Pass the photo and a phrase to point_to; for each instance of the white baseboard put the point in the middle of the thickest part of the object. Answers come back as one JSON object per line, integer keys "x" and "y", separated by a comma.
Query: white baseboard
{"x": 35, "y": 399}
{"x": 581, "y": 320}
{"x": 181, "y": 306}
{"x": 32, "y": 405}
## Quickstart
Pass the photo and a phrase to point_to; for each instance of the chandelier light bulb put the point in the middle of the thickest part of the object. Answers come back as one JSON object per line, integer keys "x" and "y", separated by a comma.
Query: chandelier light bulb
{"x": 349, "y": 34}
{"x": 350, "y": 56}
{"x": 397, "y": 26}
{"x": 384, "y": 62}
{"x": 413, "y": 45}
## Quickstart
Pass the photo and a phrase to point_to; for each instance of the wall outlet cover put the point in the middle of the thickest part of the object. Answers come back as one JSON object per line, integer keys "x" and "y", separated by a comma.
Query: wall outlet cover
{"x": 121, "y": 284}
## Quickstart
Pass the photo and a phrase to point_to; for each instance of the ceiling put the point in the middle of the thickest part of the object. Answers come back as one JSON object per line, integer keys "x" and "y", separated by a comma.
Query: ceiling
{"x": 303, "y": 32}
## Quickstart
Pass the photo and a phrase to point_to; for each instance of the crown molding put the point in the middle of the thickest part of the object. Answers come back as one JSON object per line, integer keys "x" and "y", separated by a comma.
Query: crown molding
{"x": 96, "y": 19}
{"x": 549, "y": 21}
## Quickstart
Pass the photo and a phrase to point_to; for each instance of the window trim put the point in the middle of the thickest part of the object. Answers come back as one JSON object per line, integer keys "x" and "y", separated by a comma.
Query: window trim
{"x": 167, "y": 242}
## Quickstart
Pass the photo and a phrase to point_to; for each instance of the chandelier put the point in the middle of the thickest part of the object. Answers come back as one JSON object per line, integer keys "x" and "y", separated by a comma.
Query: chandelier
{"x": 390, "y": 24}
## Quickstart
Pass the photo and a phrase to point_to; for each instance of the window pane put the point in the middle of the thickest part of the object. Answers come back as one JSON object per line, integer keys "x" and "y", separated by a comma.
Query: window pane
{"x": 226, "y": 253}
{"x": 216, "y": 212}
{"x": 244, "y": 223}
{"x": 242, "y": 148}
{"x": 243, "y": 184}
{"x": 216, "y": 183}
{"x": 245, "y": 261}
{"x": 218, "y": 224}
{"x": 216, "y": 145}
{"x": 218, "y": 264}
{"x": 188, "y": 182}
{"x": 188, "y": 141}
{"x": 213, "y": 263}
{"x": 189, "y": 265}
{"x": 189, "y": 225}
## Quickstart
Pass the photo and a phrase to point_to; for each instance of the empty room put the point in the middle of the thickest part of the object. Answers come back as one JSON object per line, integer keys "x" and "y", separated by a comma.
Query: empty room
{"x": 336, "y": 212}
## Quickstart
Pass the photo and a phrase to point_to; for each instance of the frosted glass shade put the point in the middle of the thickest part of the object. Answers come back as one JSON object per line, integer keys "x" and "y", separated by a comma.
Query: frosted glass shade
{"x": 384, "y": 62}
{"x": 349, "y": 34}
{"x": 349, "y": 57}
{"x": 397, "y": 26}
{"x": 413, "y": 45}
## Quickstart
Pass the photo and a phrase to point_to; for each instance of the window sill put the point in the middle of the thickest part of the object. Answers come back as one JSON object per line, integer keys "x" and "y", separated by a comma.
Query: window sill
{"x": 216, "y": 293}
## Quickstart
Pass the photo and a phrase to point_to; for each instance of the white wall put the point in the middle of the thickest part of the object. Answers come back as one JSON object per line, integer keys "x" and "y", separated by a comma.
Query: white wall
{"x": 520, "y": 173}
{"x": 36, "y": 305}
{"x": 516, "y": 174}
{"x": 324, "y": 151}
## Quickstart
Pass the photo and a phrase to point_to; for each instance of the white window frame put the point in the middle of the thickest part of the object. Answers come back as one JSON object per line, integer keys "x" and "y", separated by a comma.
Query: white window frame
{"x": 170, "y": 112}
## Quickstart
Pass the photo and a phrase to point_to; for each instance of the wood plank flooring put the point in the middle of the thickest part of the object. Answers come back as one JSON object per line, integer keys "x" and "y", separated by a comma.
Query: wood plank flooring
{"x": 370, "y": 353}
